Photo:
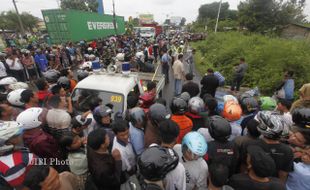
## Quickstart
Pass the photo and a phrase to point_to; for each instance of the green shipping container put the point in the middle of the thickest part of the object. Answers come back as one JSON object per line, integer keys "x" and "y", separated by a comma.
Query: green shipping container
{"x": 74, "y": 25}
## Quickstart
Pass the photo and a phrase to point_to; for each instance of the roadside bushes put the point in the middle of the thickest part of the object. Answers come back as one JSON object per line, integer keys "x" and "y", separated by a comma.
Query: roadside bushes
{"x": 267, "y": 58}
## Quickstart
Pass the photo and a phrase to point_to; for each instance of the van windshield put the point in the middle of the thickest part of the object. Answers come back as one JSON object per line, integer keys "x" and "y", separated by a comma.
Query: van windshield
{"x": 81, "y": 99}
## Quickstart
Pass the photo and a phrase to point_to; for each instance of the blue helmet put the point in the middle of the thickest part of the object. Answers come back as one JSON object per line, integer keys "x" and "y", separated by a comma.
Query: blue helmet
{"x": 196, "y": 143}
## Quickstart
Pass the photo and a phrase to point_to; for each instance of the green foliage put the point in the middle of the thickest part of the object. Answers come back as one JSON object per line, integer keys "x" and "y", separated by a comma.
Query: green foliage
{"x": 270, "y": 15}
{"x": 83, "y": 5}
{"x": 210, "y": 11}
{"x": 9, "y": 21}
{"x": 267, "y": 57}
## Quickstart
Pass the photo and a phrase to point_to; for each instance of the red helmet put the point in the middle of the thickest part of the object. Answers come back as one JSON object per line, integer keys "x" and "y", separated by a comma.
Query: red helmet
{"x": 232, "y": 111}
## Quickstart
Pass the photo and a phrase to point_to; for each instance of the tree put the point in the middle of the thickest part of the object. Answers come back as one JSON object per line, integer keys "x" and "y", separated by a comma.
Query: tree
{"x": 83, "y": 5}
{"x": 9, "y": 21}
{"x": 183, "y": 21}
{"x": 210, "y": 11}
{"x": 265, "y": 15}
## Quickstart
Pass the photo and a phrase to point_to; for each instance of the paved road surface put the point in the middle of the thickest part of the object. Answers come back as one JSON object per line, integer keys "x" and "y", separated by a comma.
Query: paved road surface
{"x": 168, "y": 92}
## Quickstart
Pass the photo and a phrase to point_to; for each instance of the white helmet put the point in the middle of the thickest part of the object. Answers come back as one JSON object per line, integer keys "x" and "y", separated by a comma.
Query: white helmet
{"x": 87, "y": 64}
{"x": 227, "y": 98}
{"x": 9, "y": 129}
{"x": 18, "y": 85}
{"x": 196, "y": 105}
{"x": 30, "y": 118}
{"x": 89, "y": 49}
{"x": 120, "y": 57}
{"x": 14, "y": 97}
{"x": 139, "y": 55}
{"x": 8, "y": 80}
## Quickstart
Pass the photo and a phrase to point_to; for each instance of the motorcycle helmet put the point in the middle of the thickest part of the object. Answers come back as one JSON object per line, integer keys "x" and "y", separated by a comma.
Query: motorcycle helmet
{"x": 249, "y": 104}
{"x": 178, "y": 106}
{"x": 15, "y": 96}
{"x": 51, "y": 76}
{"x": 232, "y": 111}
{"x": 64, "y": 82}
{"x": 101, "y": 111}
{"x": 155, "y": 162}
{"x": 137, "y": 115}
{"x": 18, "y": 85}
{"x": 185, "y": 96}
{"x": 9, "y": 129}
{"x": 8, "y": 81}
{"x": 30, "y": 118}
{"x": 82, "y": 75}
{"x": 219, "y": 128}
{"x": 196, "y": 143}
{"x": 267, "y": 103}
{"x": 271, "y": 124}
{"x": 196, "y": 105}
{"x": 158, "y": 113}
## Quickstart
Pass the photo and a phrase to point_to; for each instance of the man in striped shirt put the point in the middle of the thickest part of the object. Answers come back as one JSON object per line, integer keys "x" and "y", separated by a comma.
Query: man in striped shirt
{"x": 14, "y": 160}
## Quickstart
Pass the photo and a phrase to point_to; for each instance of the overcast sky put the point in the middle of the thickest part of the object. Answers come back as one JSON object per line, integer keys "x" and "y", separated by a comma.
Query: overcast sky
{"x": 160, "y": 8}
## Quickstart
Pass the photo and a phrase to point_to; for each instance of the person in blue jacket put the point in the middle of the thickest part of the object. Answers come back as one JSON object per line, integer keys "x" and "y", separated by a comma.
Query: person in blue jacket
{"x": 41, "y": 61}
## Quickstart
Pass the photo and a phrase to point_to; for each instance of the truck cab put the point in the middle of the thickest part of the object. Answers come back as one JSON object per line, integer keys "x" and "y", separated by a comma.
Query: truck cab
{"x": 113, "y": 88}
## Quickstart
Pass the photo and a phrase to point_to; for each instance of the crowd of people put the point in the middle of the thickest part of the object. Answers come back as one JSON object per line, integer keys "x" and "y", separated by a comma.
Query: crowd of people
{"x": 193, "y": 142}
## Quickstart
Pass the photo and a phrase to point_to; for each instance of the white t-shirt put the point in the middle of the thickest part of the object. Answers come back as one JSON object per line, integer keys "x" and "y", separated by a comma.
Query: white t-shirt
{"x": 17, "y": 65}
{"x": 127, "y": 154}
{"x": 176, "y": 179}
{"x": 2, "y": 70}
{"x": 196, "y": 171}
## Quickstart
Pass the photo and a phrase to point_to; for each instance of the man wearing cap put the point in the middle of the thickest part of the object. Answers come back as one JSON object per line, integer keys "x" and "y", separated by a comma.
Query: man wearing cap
{"x": 260, "y": 167}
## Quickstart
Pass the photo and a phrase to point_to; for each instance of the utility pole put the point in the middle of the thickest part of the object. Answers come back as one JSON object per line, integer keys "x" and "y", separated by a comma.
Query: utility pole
{"x": 114, "y": 18}
{"x": 218, "y": 16}
{"x": 19, "y": 19}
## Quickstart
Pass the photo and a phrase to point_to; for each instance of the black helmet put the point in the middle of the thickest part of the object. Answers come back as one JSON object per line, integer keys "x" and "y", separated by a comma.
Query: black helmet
{"x": 272, "y": 125}
{"x": 219, "y": 128}
{"x": 158, "y": 113}
{"x": 51, "y": 76}
{"x": 155, "y": 162}
{"x": 137, "y": 115}
{"x": 82, "y": 75}
{"x": 64, "y": 82}
{"x": 178, "y": 106}
{"x": 301, "y": 117}
{"x": 248, "y": 104}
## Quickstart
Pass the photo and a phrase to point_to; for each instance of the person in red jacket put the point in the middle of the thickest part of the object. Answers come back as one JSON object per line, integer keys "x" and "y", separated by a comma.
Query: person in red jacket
{"x": 178, "y": 108}
{"x": 43, "y": 93}
{"x": 38, "y": 141}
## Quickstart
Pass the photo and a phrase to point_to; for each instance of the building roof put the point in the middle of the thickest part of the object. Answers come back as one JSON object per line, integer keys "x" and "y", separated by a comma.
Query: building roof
{"x": 117, "y": 83}
{"x": 301, "y": 25}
